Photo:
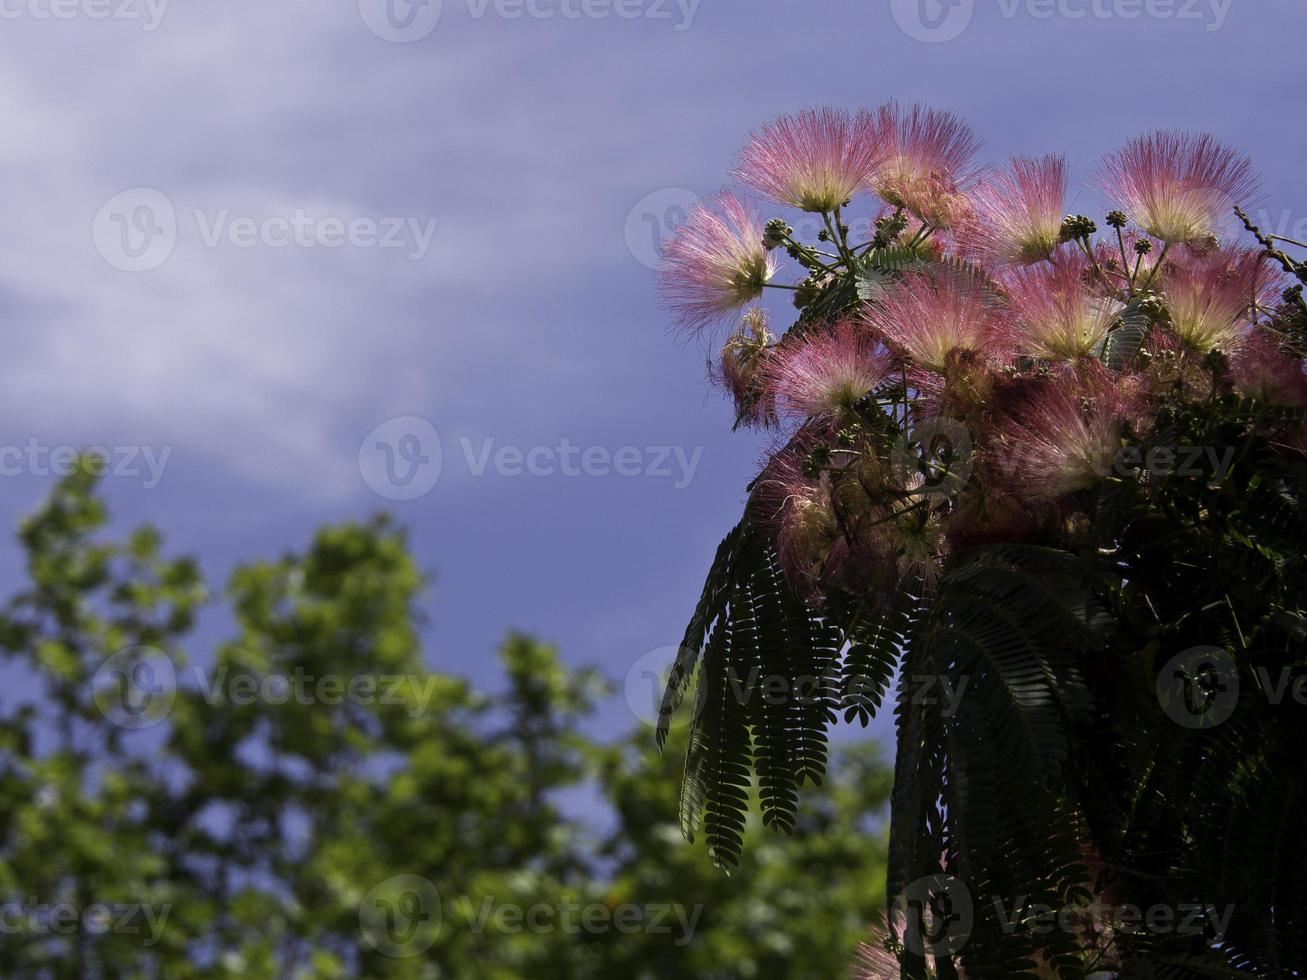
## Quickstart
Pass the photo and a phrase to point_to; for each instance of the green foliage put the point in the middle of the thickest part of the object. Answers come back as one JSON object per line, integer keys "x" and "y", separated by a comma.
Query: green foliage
{"x": 767, "y": 692}
{"x": 261, "y": 833}
{"x": 1057, "y": 775}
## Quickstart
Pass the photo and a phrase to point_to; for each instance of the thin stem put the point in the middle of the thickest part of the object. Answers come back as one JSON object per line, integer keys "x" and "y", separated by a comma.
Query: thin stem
{"x": 1290, "y": 241}
{"x": 833, "y": 231}
{"x": 832, "y": 268}
{"x": 1125, "y": 261}
{"x": 1157, "y": 266}
{"x": 1085, "y": 244}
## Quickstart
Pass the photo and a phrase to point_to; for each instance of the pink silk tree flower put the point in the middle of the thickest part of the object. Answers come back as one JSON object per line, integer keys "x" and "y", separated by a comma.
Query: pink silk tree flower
{"x": 873, "y": 959}
{"x": 805, "y": 538}
{"x": 1177, "y": 186}
{"x": 1067, "y": 435}
{"x": 826, "y": 373}
{"x": 931, "y": 316}
{"x": 875, "y": 962}
{"x": 794, "y": 505}
{"x": 1017, "y": 212}
{"x": 1211, "y": 296}
{"x": 716, "y": 262}
{"x": 1261, "y": 370}
{"x": 815, "y": 160}
{"x": 1056, "y": 317}
{"x": 744, "y": 357}
{"x": 925, "y": 167}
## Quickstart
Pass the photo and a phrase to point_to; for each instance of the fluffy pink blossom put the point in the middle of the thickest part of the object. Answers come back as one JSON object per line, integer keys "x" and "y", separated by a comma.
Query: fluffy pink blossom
{"x": 814, "y": 160}
{"x": 1178, "y": 186}
{"x": 1056, "y": 316}
{"x": 875, "y": 962}
{"x": 1017, "y": 211}
{"x": 1211, "y": 295}
{"x": 1261, "y": 370}
{"x": 927, "y": 154}
{"x": 827, "y": 372}
{"x": 716, "y": 262}
{"x": 1067, "y": 435}
{"x": 794, "y": 505}
{"x": 930, "y": 316}
{"x": 830, "y": 523}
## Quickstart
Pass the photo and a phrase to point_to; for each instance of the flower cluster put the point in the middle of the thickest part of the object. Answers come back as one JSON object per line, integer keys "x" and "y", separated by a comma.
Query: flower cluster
{"x": 975, "y": 367}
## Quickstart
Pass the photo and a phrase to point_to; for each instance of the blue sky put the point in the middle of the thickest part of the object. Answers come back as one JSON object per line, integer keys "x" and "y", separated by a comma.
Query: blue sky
{"x": 471, "y": 194}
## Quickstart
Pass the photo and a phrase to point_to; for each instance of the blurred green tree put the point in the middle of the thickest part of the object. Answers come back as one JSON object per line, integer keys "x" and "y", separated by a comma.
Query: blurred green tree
{"x": 314, "y": 802}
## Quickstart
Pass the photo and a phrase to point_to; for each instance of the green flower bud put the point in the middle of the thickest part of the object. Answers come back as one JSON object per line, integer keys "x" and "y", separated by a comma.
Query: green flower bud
{"x": 774, "y": 233}
{"x": 1077, "y": 226}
